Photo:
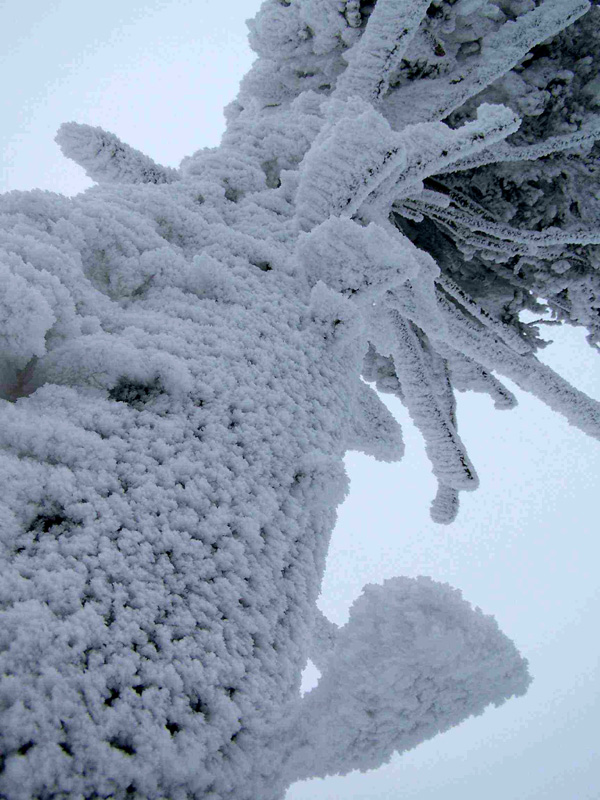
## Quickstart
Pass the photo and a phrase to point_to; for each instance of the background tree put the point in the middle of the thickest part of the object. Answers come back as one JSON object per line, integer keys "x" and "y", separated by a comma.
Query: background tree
{"x": 143, "y": 268}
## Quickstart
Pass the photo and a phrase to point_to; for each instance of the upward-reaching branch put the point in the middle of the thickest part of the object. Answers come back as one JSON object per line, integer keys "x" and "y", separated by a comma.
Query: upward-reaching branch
{"x": 106, "y": 159}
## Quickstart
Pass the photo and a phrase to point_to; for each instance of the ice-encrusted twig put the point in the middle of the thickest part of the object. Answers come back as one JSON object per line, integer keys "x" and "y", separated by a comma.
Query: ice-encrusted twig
{"x": 431, "y": 147}
{"x": 477, "y": 342}
{"x": 448, "y": 456}
{"x": 467, "y": 375}
{"x": 106, "y": 159}
{"x": 360, "y": 160}
{"x": 346, "y": 166}
{"x": 589, "y": 132}
{"x": 504, "y": 332}
{"x": 533, "y": 239}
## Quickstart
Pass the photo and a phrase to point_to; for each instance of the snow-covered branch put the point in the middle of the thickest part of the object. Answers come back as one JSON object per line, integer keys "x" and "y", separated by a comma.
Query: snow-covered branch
{"x": 380, "y": 49}
{"x": 106, "y": 159}
{"x": 504, "y": 152}
{"x": 437, "y": 662}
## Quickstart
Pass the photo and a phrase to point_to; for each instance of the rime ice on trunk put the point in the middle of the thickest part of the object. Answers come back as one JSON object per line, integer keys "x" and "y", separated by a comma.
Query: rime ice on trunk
{"x": 172, "y": 499}
{"x": 181, "y": 372}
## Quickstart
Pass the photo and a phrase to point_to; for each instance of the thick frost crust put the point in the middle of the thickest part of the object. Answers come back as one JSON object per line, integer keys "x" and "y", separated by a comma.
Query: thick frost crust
{"x": 172, "y": 486}
{"x": 180, "y": 367}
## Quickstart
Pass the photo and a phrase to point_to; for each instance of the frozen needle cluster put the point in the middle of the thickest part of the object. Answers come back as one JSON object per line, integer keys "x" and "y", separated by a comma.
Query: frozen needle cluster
{"x": 181, "y": 355}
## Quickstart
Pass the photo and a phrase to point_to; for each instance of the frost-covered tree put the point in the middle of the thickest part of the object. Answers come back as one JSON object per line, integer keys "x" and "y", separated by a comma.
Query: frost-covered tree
{"x": 180, "y": 367}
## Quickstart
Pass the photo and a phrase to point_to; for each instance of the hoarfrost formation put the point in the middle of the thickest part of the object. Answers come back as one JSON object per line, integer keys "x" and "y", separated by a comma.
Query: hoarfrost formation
{"x": 180, "y": 368}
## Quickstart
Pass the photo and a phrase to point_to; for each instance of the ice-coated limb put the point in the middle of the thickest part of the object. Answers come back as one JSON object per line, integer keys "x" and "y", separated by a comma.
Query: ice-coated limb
{"x": 450, "y": 462}
{"x": 587, "y": 134}
{"x": 106, "y": 159}
{"x": 526, "y": 370}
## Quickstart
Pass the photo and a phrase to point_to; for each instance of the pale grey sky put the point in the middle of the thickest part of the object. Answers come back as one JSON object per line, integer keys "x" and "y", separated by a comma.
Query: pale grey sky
{"x": 525, "y": 546}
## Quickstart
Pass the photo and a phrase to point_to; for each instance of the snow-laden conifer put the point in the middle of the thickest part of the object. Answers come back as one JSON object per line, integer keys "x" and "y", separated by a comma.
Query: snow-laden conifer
{"x": 180, "y": 367}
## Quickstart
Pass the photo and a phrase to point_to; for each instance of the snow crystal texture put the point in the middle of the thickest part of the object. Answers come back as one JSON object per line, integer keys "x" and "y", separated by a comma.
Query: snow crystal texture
{"x": 182, "y": 355}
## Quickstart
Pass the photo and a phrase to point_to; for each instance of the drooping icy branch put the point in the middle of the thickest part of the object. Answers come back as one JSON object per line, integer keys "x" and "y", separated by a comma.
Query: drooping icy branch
{"x": 380, "y": 49}
{"x": 375, "y": 431}
{"x": 444, "y": 506}
{"x": 467, "y": 375}
{"x": 433, "y": 99}
{"x": 504, "y": 332}
{"x": 477, "y": 342}
{"x": 415, "y": 659}
{"x": 106, "y": 159}
{"x": 448, "y": 456}
{"x": 533, "y": 239}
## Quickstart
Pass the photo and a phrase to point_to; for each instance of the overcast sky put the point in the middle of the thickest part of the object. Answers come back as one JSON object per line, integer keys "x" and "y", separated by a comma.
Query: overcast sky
{"x": 525, "y": 546}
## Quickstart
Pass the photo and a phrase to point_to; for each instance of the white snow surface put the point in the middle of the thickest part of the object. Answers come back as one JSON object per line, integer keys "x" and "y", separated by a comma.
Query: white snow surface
{"x": 180, "y": 367}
